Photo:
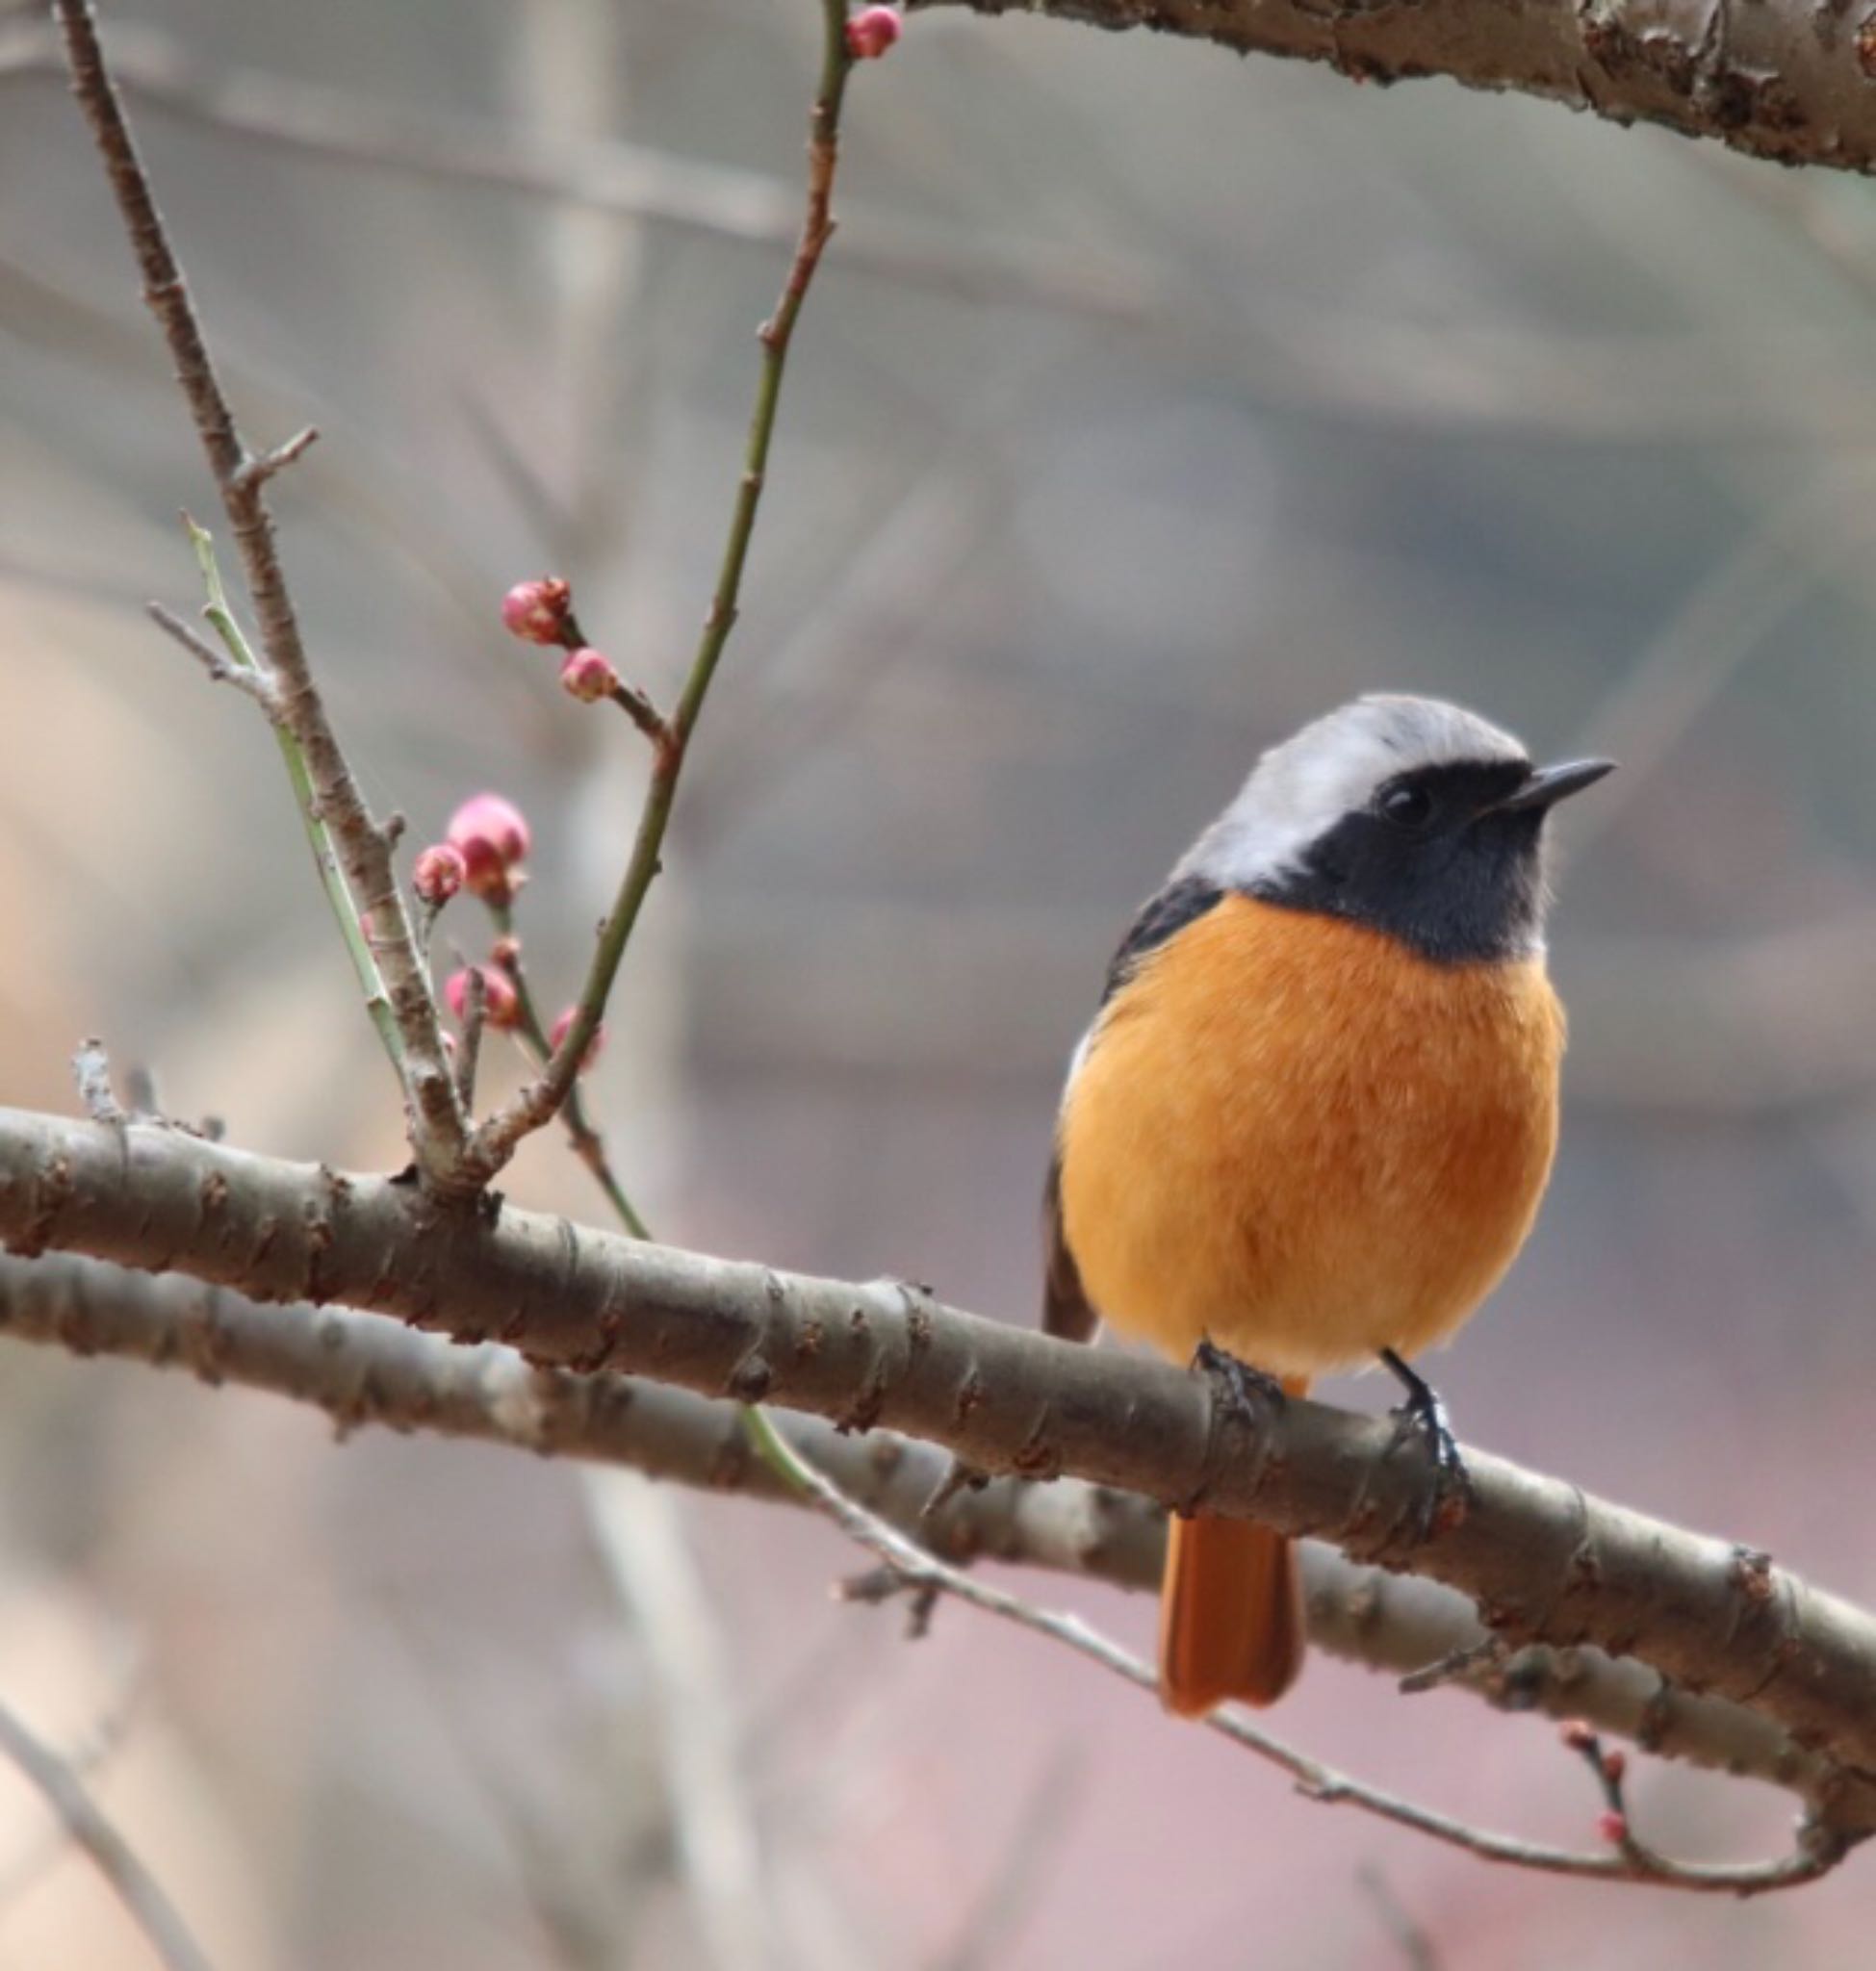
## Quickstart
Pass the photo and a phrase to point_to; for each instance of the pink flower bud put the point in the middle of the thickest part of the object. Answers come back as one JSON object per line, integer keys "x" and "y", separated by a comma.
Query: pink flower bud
{"x": 563, "y": 1026}
{"x": 587, "y": 677}
{"x": 871, "y": 32}
{"x": 1615, "y": 1763}
{"x": 491, "y": 837}
{"x": 536, "y": 611}
{"x": 1577, "y": 1734}
{"x": 500, "y": 1004}
{"x": 439, "y": 872}
{"x": 1613, "y": 1828}
{"x": 505, "y": 952}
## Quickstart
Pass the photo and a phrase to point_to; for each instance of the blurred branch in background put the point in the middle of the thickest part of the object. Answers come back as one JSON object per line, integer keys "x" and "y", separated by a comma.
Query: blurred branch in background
{"x": 1781, "y": 81}
{"x": 90, "y": 1827}
{"x": 603, "y": 174}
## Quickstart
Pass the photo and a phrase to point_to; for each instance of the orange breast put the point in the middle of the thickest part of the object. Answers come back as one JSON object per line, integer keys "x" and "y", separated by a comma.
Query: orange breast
{"x": 1293, "y": 1134}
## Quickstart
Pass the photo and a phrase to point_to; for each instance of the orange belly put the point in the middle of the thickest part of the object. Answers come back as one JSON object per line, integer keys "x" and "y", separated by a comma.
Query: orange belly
{"x": 1295, "y": 1137}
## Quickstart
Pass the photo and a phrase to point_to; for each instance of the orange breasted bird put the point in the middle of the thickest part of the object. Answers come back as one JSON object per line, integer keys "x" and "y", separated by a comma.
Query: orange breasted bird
{"x": 1312, "y": 1122}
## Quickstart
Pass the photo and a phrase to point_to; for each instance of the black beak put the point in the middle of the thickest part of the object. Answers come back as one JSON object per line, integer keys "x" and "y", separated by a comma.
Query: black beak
{"x": 1549, "y": 785}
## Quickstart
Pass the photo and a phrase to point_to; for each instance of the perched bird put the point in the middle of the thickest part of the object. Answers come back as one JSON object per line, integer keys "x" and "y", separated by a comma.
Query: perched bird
{"x": 1313, "y": 1119}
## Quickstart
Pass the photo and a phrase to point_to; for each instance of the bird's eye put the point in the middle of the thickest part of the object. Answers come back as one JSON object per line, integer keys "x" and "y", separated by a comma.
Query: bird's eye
{"x": 1408, "y": 806}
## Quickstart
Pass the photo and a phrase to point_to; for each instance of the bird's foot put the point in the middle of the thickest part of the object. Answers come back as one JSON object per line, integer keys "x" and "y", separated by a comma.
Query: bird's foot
{"x": 1240, "y": 1394}
{"x": 1423, "y": 1416}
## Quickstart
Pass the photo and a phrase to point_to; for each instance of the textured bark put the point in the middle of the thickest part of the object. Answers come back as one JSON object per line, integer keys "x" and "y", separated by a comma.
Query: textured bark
{"x": 1777, "y": 78}
{"x": 365, "y": 1370}
{"x": 1542, "y": 1561}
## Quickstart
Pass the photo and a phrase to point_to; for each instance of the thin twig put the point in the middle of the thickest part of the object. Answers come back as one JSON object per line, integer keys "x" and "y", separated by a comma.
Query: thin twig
{"x": 1816, "y": 1853}
{"x": 221, "y": 669}
{"x": 362, "y": 846}
{"x": 90, "y": 1069}
{"x": 496, "y": 1140}
{"x": 119, "y": 1863}
{"x": 582, "y": 1133}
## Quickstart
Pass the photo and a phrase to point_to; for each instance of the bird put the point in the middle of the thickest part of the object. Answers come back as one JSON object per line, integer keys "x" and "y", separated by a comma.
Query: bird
{"x": 1313, "y": 1119}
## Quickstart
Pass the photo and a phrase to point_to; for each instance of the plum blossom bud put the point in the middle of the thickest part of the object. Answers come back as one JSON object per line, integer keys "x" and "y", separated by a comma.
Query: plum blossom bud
{"x": 491, "y": 837}
{"x": 1613, "y": 1828}
{"x": 1615, "y": 1763}
{"x": 439, "y": 872}
{"x": 1577, "y": 1734}
{"x": 536, "y": 611}
{"x": 587, "y": 677}
{"x": 505, "y": 952}
{"x": 563, "y": 1026}
{"x": 871, "y": 32}
{"x": 501, "y": 1003}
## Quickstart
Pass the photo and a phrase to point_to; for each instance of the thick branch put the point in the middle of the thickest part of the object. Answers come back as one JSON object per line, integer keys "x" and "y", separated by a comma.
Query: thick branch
{"x": 1779, "y": 79}
{"x": 1542, "y": 1561}
{"x": 361, "y": 1370}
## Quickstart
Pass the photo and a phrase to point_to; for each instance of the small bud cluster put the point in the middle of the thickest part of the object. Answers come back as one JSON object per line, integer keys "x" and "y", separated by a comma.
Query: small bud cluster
{"x": 488, "y": 833}
{"x": 542, "y": 611}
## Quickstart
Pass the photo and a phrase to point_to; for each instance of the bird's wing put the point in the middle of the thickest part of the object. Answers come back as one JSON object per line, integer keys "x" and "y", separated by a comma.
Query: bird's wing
{"x": 1066, "y": 1310}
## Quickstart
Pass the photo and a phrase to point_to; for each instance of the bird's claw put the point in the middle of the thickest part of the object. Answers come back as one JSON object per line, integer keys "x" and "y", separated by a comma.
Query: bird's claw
{"x": 1422, "y": 1416}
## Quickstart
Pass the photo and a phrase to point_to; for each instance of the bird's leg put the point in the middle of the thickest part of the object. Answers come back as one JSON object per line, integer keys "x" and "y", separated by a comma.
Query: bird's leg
{"x": 1242, "y": 1395}
{"x": 1424, "y": 1416}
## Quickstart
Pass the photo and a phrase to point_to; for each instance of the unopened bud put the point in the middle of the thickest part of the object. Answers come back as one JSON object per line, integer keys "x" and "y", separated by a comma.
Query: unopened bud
{"x": 501, "y": 1003}
{"x": 536, "y": 611}
{"x": 587, "y": 677}
{"x": 439, "y": 872}
{"x": 1613, "y": 1828}
{"x": 1615, "y": 1763}
{"x": 871, "y": 32}
{"x": 490, "y": 834}
{"x": 563, "y": 1026}
{"x": 505, "y": 952}
{"x": 1577, "y": 1734}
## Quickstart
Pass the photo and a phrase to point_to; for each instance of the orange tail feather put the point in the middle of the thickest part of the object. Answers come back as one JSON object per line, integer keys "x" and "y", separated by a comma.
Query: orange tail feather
{"x": 1231, "y": 1614}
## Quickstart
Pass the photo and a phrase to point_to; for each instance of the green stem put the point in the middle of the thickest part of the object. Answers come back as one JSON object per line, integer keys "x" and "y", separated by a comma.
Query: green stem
{"x": 496, "y": 1141}
{"x": 319, "y": 838}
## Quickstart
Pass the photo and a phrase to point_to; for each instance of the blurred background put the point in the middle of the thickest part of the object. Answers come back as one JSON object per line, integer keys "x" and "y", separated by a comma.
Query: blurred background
{"x": 1151, "y": 402}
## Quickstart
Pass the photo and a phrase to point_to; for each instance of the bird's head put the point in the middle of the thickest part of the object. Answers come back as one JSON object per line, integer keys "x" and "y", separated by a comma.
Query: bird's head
{"x": 1409, "y": 815}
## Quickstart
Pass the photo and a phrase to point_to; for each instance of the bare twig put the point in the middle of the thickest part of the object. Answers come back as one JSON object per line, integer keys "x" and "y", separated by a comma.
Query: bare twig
{"x": 91, "y": 1069}
{"x": 1417, "y": 1952}
{"x": 363, "y": 849}
{"x": 582, "y": 1133}
{"x": 222, "y": 669}
{"x": 119, "y": 1863}
{"x": 1817, "y": 1851}
{"x": 497, "y": 1140}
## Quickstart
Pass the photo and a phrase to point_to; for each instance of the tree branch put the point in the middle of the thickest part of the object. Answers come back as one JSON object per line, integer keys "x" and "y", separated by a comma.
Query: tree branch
{"x": 363, "y": 845}
{"x": 1545, "y": 1562}
{"x": 1780, "y": 79}
{"x": 363, "y": 1370}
